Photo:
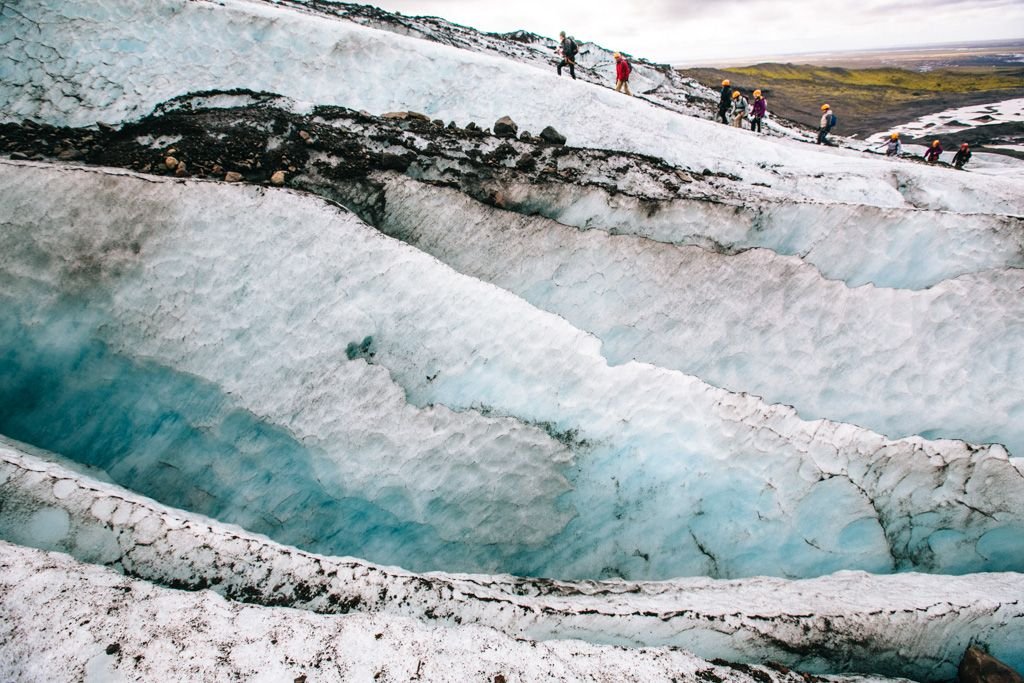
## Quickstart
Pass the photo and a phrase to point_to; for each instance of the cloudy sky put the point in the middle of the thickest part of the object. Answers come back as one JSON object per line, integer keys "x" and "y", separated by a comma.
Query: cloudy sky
{"x": 680, "y": 31}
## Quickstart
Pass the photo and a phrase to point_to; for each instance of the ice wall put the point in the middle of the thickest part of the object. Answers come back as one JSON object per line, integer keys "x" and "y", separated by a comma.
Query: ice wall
{"x": 900, "y": 625}
{"x": 331, "y": 334}
{"x": 941, "y": 362}
{"x": 102, "y": 67}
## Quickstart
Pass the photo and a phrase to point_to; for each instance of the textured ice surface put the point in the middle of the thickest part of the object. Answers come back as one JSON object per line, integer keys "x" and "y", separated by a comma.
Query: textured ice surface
{"x": 85, "y": 62}
{"x": 943, "y": 362}
{"x": 107, "y": 627}
{"x": 906, "y": 624}
{"x": 293, "y": 313}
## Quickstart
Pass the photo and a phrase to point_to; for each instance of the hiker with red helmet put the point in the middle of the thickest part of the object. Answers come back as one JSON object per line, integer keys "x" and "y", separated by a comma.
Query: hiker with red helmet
{"x": 757, "y": 111}
{"x": 828, "y": 122}
{"x": 962, "y": 156}
{"x": 933, "y": 153}
{"x": 622, "y": 71}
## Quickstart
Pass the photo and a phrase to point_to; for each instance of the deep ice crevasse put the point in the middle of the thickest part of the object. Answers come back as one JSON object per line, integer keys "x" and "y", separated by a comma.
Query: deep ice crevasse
{"x": 906, "y": 624}
{"x": 670, "y": 476}
{"x": 117, "y": 70}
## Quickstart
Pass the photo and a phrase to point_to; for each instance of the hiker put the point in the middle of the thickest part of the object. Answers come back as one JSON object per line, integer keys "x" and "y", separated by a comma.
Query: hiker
{"x": 962, "y": 156}
{"x": 739, "y": 108}
{"x": 892, "y": 145}
{"x": 569, "y": 50}
{"x": 757, "y": 111}
{"x": 622, "y": 71}
{"x": 934, "y": 152}
{"x": 828, "y": 122}
{"x": 725, "y": 101}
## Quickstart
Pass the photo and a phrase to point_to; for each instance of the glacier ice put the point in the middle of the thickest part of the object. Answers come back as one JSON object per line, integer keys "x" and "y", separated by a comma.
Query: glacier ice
{"x": 907, "y": 624}
{"x": 628, "y": 470}
{"x": 112, "y": 70}
{"x": 518, "y": 401}
{"x": 942, "y": 362}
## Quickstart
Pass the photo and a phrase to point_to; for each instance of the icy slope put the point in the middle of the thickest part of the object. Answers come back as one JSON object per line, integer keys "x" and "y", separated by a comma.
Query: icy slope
{"x": 70, "y": 49}
{"x": 256, "y": 134}
{"x": 940, "y": 362}
{"x": 292, "y": 315}
{"x": 908, "y": 624}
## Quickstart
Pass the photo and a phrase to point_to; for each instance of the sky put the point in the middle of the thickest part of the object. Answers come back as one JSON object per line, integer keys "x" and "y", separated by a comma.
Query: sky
{"x": 692, "y": 31}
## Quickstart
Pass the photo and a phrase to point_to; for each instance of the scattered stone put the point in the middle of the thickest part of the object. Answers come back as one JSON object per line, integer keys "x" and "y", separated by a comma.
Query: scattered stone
{"x": 105, "y": 127}
{"x": 217, "y": 169}
{"x": 113, "y": 648}
{"x": 438, "y": 123}
{"x": 499, "y": 678}
{"x": 301, "y": 678}
{"x": 69, "y": 154}
{"x": 526, "y": 163}
{"x": 181, "y": 170}
{"x": 277, "y": 178}
{"x": 305, "y": 136}
{"x": 18, "y": 156}
{"x": 978, "y": 666}
{"x": 552, "y": 136}
{"x": 233, "y": 177}
{"x": 395, "y": 162}
{"x": 452, "y": 126}
{"x": 171, "y": 163}
{"x": 525, "y": 136}
{"x": 472, "y": 128}
{"x": 405, "y": 116}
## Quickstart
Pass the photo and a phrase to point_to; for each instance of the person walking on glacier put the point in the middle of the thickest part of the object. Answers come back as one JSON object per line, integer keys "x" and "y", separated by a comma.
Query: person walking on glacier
{"x": 962, "y": 156}
{"x": 739, "y": 108}
{"x": 725, "y": 101}
{"x": 622, "y": 71}
{"x": 828, "y": 122}
{"x": 892, "y": 145}
{"x": 934, "y": 152}
{"x": 757, "y": 111}
{"x": 568, "y": 49}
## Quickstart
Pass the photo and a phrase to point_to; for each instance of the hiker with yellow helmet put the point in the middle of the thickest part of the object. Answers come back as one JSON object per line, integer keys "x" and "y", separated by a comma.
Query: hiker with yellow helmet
{"x": 622, "y": 71}
{"x": 892, "y": 145}
{"x": 828, "y": 122}
{"x": 739, "y": 108}
{"x": 725, "y": 101}
{"x": 934, "y": 152}
{"x": 757, "y": 111}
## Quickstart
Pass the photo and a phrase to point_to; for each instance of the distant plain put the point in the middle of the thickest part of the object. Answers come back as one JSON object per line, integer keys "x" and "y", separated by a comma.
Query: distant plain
{"x": 875, "y": 90}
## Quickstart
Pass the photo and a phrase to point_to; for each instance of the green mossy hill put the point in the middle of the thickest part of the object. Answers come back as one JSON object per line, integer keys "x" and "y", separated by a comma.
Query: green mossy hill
{"x": 866, "y": 100}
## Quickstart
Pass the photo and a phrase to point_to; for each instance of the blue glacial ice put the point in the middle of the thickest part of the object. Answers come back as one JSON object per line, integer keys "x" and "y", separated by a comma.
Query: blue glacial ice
{"x": 477, "y": 420}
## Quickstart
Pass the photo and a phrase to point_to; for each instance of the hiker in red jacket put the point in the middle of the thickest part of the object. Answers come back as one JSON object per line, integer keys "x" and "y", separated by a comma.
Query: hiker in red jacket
{"x": 622, "y": 71}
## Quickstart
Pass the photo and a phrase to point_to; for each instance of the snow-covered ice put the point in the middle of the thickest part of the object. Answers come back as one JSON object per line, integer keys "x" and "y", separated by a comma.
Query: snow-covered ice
{"x": 550, "y": 375}
{"x": 905, "y": 624}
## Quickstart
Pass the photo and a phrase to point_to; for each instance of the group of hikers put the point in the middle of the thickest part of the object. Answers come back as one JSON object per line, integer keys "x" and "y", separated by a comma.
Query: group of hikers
{"x": 893, "y": 148}
{"x": 568, "y": 49}
{"x": 734, "y": 108}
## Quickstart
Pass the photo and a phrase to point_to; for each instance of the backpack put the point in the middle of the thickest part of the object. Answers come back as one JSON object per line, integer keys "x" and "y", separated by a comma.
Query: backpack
{"x": 832, "y": 121}
{"x": 629, "y": 67}
{"x": 573, "y": 49}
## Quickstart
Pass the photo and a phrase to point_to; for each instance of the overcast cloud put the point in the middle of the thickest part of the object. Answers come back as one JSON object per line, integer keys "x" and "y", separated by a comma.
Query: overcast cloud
{"x": 680, "y": 31}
